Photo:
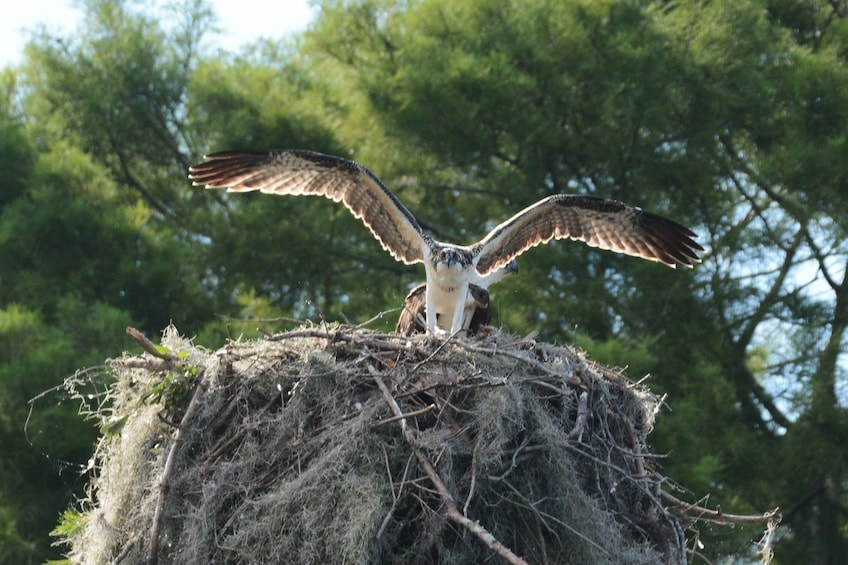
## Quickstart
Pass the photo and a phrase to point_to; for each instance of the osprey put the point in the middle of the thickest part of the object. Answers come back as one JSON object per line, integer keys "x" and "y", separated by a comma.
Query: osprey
{"x": 450, "y": 269}
{"x": 478, "y": 312}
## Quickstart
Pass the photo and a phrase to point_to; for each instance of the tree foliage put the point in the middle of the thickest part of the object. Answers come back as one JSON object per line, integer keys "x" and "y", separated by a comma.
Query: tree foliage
{"x": 729, "y": 117}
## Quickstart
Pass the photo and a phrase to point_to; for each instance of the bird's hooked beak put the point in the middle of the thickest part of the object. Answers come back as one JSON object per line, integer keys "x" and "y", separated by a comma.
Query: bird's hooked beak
{"x": 452, "y": 258}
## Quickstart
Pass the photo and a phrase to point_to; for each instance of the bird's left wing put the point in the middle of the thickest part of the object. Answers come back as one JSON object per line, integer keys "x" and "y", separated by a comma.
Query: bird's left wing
{"x": 602, "y": 223}
{"x": 299, "y": 172}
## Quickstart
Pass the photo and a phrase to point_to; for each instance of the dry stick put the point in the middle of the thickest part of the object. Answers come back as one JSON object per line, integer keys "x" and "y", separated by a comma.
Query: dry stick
{"x": 435, "y": 352}
{"x": 225, "y": 443}
{"x": 452, "y": 511}
{"x": 148, "y": 345}
{"x": 540, "y": 538}
{"x": 385, "y": 341}
{"x": 125, "y": 551}
{"x": 580, "y": 422}
{"x": 473, "y": 483}
{"x": 639, "y": 484}
{"x": 544, "y": 384}
{"x": 377, "y": 317}
{"x": 165, "y": 483}
{"x": 492, "y": 351}
{"x": 395, "y": 496}
{"x": 539, "y": 513}
{"x": 717, "y": 516}
{"x": 428, "y": 408}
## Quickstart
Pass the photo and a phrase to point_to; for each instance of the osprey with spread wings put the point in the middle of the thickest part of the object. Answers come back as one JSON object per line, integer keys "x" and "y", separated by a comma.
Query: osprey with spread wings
{"x": 450, "y": 269}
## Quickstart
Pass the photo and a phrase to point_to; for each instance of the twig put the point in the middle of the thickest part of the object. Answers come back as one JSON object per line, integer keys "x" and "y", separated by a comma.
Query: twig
{"x": 473, "y": 482}
{"x": 435, "y": 352}
{"x": 719, "y": 517}
{"x": 395, "y": 496}
{"x": 260, "y": 320}
{"x": 451, "y": 509}
{"x": 557, "y": 390}
{"x": 580, "y": 422}
{"x": 226, "y": 442}
{"x": 532, "y": 362}
{"x": 542, "y": 514}
{"x": 419, "y": 412}
{"x": 377, "y": 340}
{"x": 513, "y": 464}
{"x": 377, "y": 317}
{"x": 165, "y": 482}
{"x": 148, "y": 345}
{"x": 125, "y": 551}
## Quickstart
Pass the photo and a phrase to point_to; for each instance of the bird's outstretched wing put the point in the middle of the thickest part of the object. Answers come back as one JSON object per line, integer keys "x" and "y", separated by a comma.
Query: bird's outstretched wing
{"x": 602, "y": 223}
{"x": 299, "y": 172}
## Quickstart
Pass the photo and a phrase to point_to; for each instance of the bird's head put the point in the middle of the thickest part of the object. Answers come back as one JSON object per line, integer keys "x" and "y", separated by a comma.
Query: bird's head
{"x": 452, "y": 258}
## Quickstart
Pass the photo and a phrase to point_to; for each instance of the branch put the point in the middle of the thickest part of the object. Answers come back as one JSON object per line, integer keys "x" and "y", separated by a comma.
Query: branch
{"x": 414, "y": 413}
{"x": 149, "y": 346}
{"x": 575, "y": 381}
{"x": 580, "y": 422}
{"x": 773, "y": 296}
{"x": 148, "y": 196}
{"x": 817, "y": 253}
{"x": 717, "y": 516}
{"x": 452, "y": 510}
{"x": 165, "y": 483}
{"x": 795, "y": 209}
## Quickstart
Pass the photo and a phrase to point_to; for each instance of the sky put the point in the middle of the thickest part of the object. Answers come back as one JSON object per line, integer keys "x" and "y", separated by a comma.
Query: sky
{"x": 244, "y": 21}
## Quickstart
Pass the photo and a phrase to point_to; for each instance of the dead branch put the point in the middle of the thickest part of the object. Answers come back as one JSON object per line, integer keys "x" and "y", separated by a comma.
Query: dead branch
{"x": 453, "y": 512}
{"x": 580, "y": 422}
{"x": 573, "y": 380}
{"x": 148, "y": 345}
{"x": 717, "y": 516}
{"x": 165, "y": 482}
{"x": 414, "y": 413}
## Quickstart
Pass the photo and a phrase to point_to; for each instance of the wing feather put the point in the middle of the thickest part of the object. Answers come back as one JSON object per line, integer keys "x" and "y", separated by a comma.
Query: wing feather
{"x": 413, "y": 314}
{"x": 602, "y": 223}
{"x": 299, "y": 172}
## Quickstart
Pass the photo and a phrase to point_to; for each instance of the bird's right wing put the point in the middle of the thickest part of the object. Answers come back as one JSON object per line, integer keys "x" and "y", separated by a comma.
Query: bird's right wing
{"x": 299, "y": 172}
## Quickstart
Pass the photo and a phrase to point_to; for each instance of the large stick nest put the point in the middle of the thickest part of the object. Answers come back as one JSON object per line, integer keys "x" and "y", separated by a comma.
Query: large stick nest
{"x": 292, "y": 449}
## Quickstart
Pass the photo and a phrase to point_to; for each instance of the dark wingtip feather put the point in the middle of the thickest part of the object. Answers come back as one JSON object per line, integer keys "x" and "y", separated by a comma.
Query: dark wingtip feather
{"x": 675, "y": 242}
{"x": 219, "y": 168}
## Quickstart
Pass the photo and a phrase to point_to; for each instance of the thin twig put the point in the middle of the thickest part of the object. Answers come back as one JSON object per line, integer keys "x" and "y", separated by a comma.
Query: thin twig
{"x": 451, "y": 509}
{"x": 719, "y": 517}
{"x": 473, "y": 482}
{"x": 556, "y": 520}
{"x": 165, "y": 482}
{"x": 435, "y": 352}
{"x": 395, "y": 496}
{"x": 148, "y": 345}
{"x": 426, "y": 409}
{"x": 576, "y": 432}
{"x": 377, "y": 317}
{"x": 532, "y": 362}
